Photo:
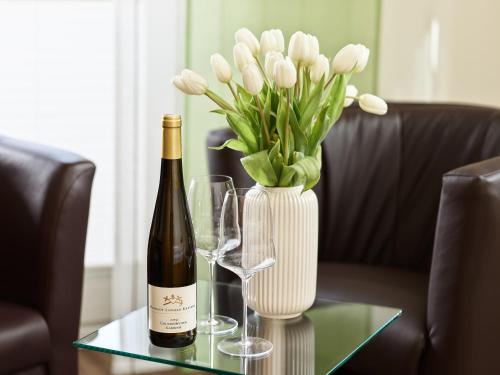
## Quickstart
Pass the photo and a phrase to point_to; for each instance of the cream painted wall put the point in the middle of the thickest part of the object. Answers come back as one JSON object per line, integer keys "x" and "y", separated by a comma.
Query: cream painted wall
{"x": 470, "y": 52}
{"x": 404, "y": 62}
{"x": 441, "y": 50}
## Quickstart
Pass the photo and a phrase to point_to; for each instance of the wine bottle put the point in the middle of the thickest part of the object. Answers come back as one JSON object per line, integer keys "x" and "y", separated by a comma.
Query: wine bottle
{"x": 171, "y": 251}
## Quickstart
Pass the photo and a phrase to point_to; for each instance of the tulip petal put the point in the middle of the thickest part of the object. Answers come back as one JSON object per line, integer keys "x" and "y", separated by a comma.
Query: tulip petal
{"x": 351, "y": 91}
{"x": 373, "y": 104}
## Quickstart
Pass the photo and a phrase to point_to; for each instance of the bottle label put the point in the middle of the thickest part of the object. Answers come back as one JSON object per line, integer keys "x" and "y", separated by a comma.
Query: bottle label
{"x": 172, "y": 310}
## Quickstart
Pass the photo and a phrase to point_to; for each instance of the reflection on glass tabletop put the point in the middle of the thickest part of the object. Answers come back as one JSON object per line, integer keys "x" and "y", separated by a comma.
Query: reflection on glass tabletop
{"x": 318, "y": 342}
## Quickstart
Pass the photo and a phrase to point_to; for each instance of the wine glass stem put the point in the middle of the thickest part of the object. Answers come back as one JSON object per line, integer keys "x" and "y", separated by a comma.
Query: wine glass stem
{"x": 211, "y": 293}
{"x": 244, "y": 292}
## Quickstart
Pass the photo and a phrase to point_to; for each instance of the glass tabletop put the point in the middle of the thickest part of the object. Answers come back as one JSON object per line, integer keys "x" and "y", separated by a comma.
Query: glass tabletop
{"x": 318, "y": 342}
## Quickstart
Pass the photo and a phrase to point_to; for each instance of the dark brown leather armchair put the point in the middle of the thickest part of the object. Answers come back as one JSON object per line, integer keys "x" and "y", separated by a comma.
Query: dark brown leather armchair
{"x": 44, "y": 205}
{"x": 410, "y": 217}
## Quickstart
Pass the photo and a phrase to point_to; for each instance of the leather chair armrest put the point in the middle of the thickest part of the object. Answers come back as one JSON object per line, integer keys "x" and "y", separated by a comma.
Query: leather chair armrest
{"x": 66, "y": 231}
{"x": 463, "y": 316}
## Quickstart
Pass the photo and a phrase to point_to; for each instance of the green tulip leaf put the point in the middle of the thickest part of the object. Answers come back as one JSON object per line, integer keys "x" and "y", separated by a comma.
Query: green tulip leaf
{"x": 312, "y": 105}
{"x": 244, "y": 131}
{"x": 281, "y": 121}
{"x": 219, "y": 111}
{"x": 259, "y": 167}
{"x": 276, "y": 158}
{"x": 297, "y": 156}
{"x": 274, "y": 150}
{"x": 244, "y": 95}
{"x": 336, "y": 99}
{"x": 274, "y": 110}
{"x": 299, "y": 137}
{"x": 304, "y": 94}
{"x": 277, "y": 164}
{"x": 296, "y": 110}
{"x": 267, "y": 109}
{"x": 318, "y": 130}
{"x": 329, "y": 114}
{"x": 286, "y": 177}
{"x": 306, "y": 170}
{"x": 233, "y": 144}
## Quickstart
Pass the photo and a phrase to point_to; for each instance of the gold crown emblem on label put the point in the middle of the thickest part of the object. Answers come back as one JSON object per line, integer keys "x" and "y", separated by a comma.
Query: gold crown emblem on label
{"x": 173, "y": 300}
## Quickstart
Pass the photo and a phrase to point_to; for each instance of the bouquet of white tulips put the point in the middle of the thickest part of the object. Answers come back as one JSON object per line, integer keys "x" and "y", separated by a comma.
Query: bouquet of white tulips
{"x": 285, "y": 106}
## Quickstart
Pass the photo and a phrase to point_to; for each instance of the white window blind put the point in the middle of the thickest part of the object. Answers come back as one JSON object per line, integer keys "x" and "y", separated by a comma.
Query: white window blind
{"x": 57, "y": 87}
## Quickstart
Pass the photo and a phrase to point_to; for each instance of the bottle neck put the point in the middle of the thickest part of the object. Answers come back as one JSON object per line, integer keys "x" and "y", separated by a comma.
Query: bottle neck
{"x": 172, "y": 146}
{"x": 171, "y": 173}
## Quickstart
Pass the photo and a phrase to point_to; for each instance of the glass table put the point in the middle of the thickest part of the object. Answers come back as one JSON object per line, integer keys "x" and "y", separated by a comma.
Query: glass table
{"x": 319, "y": 342}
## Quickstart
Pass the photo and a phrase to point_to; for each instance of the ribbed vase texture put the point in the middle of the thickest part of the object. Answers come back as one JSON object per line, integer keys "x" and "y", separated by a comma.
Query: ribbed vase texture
{"x": 289, "y": 287}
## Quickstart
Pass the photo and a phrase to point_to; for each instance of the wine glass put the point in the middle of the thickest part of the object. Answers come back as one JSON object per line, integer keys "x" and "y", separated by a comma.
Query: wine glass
{"x": 246, "y": 221}
{"x": 205, "y": 198}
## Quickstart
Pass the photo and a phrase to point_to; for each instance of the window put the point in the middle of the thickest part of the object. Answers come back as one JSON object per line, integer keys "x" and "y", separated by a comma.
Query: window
{"x": 57, "y": 87}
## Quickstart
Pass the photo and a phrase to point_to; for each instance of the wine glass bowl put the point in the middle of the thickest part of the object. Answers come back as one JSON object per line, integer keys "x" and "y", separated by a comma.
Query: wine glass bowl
{"x": 206, "y": 198}
{"x": 246, "y": 222}
{"x": 239, "y": 264}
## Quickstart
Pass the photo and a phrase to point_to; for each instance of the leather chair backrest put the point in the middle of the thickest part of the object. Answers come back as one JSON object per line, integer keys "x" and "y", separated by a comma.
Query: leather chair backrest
{"x": 381, "y": 178}
{"x": 44, "y": 205}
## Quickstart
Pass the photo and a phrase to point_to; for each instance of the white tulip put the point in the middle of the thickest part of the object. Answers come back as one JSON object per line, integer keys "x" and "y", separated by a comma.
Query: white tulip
{"x": 351, "y": 91}
{"x": 270, "y": 61}
{"x": 245, "y": 36}
{"x": 298, "y": 47}
{"x": 351, "y": 58}
{"x": 363, "y": 55}
{"x": 303, "y": 48}
{"x": 252, "y": 79}
{"x": 285, "y": 74}
{"x": 313, "y": 50}
{"x": 373, "y": 104}
{"x": 190, "y": 83}
{"x": 177, "y": 82}
{"x": 221, "y": 68}
{"x": 242, "y": 56}
{"x": 345, "y": 60}
{"x": 272, "y": 40}
{"x": 320, "y": 68}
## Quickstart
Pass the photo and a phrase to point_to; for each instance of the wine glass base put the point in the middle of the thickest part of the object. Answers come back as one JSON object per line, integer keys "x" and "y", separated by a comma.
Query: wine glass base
{"x": 255, "y": 347}
{"x": 221, "y": 325}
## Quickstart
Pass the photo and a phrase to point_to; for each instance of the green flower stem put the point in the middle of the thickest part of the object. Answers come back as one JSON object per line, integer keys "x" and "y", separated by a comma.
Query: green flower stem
{"x": 233, "y": 92}
{"x": 330, "y": 80}
{"x": 297, "y": 85}
{"x": 287, "y": 128}
{"x": 264, "y": 123}
{"x": 259, "y": 64}
{"x": 305, "y": 82}
{"x": 219, "y": 101}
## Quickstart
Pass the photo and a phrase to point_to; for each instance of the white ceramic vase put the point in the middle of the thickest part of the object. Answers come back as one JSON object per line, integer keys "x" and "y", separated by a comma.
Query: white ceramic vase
{"x": 288, "y": 288}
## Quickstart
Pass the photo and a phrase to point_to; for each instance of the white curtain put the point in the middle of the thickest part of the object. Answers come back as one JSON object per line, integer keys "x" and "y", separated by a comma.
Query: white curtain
{"x": 150, "y": 50}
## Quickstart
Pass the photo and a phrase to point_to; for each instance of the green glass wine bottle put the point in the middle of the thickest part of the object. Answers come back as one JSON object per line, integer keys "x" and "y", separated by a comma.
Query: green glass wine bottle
{"x": 171, "y": 251}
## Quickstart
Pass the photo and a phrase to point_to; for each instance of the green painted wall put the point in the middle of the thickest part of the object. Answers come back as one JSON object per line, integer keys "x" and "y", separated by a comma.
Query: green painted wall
{"x": 210, "y": 28}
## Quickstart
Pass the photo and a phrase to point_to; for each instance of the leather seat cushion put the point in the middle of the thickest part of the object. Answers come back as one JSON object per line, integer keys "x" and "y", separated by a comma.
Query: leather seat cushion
{"x": 38, "y": 370}
{"x": 396, "y": 350}
{"x": 24, "y": 338}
